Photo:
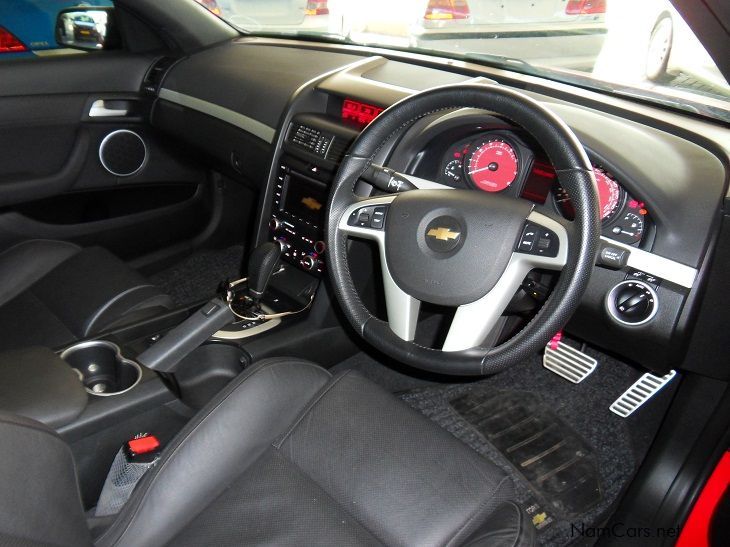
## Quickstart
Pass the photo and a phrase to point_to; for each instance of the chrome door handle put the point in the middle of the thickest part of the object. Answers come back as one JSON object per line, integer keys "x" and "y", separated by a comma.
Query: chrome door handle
{"x": 109, "y": 109}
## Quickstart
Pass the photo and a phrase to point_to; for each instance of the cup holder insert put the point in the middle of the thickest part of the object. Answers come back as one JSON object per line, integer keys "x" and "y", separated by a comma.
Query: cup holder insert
{"x": 102, "y": 368}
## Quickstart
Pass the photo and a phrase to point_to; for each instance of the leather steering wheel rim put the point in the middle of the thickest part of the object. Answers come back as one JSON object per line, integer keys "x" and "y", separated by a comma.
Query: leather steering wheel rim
{"x": 575, "y": 174}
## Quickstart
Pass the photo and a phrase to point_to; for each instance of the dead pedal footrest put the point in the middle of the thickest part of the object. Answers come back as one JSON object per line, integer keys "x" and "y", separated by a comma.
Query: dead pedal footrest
{"x": 568, "y": 362}
{"x": 640, "y": 392}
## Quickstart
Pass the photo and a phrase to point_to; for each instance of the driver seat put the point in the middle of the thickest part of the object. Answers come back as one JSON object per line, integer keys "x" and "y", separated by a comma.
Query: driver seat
{"x": 286, "y": 454}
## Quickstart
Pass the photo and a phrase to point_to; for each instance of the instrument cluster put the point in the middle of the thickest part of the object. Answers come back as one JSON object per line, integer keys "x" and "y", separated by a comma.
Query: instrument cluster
{"x": 500, "y": 161}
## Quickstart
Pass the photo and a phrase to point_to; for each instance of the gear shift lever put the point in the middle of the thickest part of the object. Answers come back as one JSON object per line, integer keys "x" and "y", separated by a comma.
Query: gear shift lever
{"x": 261, "y": 266}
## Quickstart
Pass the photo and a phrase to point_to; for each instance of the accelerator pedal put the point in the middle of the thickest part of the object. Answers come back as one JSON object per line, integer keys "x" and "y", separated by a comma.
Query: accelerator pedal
{"x": 640, "y": 392}
{"x": 566, "y": 361}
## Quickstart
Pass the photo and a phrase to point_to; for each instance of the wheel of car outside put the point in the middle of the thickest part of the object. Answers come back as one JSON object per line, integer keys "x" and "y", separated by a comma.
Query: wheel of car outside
{"x": 659, "y": 50}
{"x": 463, "y": 248}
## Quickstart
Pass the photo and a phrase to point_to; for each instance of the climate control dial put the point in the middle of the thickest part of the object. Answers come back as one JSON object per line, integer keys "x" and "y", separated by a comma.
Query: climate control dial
{"x": 309, "y": 263}
{"x": 275, "y": 224}
{"x": 319, "y": 247}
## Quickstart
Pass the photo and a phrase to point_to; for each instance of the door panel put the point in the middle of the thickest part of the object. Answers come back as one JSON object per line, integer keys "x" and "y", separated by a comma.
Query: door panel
{"x": 53, "y": 183}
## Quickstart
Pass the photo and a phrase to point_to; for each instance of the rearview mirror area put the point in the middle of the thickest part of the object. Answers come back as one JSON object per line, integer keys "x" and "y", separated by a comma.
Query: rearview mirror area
{"x": 87, "y": 28}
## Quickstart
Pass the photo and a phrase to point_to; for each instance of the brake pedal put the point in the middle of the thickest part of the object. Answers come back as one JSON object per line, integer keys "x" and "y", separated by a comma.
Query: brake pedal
{"x": 640, "y": 392}
{"x": 567, "y": 362}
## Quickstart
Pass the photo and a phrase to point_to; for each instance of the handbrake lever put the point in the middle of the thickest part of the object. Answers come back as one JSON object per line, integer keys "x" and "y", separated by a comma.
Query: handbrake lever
{"x": 166, "y": 353}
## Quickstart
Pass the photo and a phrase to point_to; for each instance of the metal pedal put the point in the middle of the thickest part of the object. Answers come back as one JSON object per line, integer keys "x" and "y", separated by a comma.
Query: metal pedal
{"x": 639, "y": 393}
{"x": 568, "y": 362}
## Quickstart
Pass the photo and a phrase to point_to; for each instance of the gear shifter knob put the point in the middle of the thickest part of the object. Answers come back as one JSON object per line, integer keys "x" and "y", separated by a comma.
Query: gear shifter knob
{"x": 261, "y": 265}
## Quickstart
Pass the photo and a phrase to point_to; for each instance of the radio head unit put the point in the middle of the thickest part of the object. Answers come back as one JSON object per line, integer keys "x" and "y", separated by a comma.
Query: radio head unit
{"x": 298, "y": 211}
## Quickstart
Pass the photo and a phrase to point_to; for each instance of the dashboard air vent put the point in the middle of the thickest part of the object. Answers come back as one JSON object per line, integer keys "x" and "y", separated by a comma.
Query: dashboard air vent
{"x": 338, "y": 149}
{"x": 154, "y": 76}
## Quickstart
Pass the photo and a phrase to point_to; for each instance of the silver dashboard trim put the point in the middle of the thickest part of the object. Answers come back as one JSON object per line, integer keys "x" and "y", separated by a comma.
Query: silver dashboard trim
{"x": 664, "y": 268}
{"x": 255, "y": 127}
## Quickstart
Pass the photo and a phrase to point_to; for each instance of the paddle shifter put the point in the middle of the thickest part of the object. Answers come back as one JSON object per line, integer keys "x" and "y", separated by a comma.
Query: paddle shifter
{"x": 165, "y": 354}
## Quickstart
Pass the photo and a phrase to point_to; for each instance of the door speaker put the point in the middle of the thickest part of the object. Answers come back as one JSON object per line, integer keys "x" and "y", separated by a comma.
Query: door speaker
{"x": 123, "y": 153}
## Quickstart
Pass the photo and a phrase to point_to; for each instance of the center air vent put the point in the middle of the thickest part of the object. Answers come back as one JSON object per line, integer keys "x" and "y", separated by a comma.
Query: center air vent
{"x": 338, "y": 149}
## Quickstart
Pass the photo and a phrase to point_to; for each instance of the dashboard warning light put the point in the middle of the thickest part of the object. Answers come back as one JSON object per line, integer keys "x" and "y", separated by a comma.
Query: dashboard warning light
{"x": 643, "y": 211}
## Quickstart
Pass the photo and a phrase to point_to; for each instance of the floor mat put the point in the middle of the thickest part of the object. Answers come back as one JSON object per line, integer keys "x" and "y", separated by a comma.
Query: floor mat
{"x": 617, "y": 445}
{"x": 556, "y": 462}
{"x": 196, "y": 278}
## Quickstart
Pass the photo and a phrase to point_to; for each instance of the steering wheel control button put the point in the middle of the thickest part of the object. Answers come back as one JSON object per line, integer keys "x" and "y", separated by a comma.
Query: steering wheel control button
{"x": 612, "y": 257}
{"x": 443, "y": 234}
{"x": 527, "y": 241}
{"x": 378, "y": 220}
{"x": 538, "y": 240}
{"x": 368, "y": 217}
{"x": 632, "y": 302}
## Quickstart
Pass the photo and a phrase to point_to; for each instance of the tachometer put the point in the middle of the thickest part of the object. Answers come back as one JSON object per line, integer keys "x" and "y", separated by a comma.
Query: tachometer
{"x": 493, "y": 165}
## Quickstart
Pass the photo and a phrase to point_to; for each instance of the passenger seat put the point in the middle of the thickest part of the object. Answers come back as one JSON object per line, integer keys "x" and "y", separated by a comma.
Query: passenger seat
{"x": 53, "y": 293}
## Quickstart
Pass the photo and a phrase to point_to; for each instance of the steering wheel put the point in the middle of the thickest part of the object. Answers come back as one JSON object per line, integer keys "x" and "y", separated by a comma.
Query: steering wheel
{"x": 462, "y": 248}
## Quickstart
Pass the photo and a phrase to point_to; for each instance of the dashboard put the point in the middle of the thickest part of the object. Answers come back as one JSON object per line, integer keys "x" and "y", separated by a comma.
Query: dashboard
{"x": 661, "y": 176}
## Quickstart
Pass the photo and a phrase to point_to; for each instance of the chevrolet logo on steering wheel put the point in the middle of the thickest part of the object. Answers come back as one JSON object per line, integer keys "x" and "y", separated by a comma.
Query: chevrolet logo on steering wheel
{"x": 443, "y": 234}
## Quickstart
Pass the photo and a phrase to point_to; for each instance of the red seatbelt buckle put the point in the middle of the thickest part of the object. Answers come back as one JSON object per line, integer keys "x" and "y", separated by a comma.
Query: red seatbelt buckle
{"x": 142, "y": 445}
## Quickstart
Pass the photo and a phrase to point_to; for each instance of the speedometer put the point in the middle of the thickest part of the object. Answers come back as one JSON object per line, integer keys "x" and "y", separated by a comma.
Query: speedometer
{"x": 610, "y": 197}
{"x": 493, "y": 165}
{"x": 609, "y": 194}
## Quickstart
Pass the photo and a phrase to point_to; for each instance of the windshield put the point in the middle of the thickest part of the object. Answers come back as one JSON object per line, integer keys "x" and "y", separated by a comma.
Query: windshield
{"x": 641, "y": 48}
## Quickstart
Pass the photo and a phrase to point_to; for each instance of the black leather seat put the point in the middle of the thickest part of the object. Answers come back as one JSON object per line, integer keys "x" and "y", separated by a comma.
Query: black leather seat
{"x": 53, "y": 292}
{"x": 285, "y": 455}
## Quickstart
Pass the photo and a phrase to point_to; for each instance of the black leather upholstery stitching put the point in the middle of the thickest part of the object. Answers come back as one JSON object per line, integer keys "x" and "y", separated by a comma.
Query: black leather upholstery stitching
{"x": 520, "y": 524}
{"x": 477, "y": 512}
{"x": 35, "y": 426}
{"x": 333, "y": 500}
{"x": 28, "y": 423}
{"x": 308, "y": 408}
{"x": 31, "y": 241}
{"x": 99, "y": 312}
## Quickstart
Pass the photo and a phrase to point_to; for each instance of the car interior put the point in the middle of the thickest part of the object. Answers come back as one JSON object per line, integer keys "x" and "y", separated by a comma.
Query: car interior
{"x": 285, "y": 289}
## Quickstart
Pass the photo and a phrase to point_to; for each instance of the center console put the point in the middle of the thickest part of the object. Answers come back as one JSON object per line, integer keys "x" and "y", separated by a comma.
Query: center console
{"x": 312, "y": 149}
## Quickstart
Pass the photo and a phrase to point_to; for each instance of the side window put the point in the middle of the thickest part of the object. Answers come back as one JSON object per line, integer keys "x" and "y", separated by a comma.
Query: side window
{"x": 28, "y": 27}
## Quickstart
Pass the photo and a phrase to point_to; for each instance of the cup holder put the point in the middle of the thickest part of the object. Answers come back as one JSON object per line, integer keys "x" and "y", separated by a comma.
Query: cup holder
{"x": 102, "y": 368}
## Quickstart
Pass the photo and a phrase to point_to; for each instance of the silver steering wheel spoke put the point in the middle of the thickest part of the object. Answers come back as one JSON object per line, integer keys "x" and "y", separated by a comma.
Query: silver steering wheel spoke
{"x": 367, "y": 219}
{"x": 473, "y": 322}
